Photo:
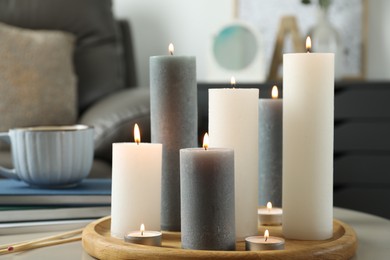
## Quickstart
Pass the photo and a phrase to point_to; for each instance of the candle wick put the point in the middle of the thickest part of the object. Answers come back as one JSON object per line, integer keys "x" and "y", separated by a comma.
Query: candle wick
{"x": 171, "y": 52}
{"x": 142, "y": 232}
{"x": 266, "y": 238}
{"x": 308, "y": 50}
{"x": 137, "y": 142}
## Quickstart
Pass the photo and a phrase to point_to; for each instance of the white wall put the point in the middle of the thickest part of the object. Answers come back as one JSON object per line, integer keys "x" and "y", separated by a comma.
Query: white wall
{"x": 189, "y": 24}
{"x": 378, "y": 58}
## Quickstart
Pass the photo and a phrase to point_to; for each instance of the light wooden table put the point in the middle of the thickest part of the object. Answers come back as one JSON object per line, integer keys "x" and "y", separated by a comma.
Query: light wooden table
{"x": 373, "y": 235}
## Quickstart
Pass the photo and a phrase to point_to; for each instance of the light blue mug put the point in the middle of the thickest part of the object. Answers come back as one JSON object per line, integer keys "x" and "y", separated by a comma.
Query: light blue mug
{"x": 50, "y": 156}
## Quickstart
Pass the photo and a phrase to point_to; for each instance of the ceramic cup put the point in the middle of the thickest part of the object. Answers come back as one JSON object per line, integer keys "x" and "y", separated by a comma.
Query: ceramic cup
{"x": 50, "y": 156}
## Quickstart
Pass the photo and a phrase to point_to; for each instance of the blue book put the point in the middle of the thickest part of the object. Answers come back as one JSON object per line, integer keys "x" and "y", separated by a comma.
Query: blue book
{"x": 88, "y": 192}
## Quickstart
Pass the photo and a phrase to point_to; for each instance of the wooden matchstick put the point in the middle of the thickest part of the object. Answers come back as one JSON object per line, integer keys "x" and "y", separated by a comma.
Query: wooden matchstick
{"x": 45, "y": 241}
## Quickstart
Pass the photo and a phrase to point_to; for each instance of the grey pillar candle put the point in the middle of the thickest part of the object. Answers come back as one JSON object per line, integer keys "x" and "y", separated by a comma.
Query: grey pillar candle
{"x": 270, "y": 151}
{"x": 207, "y": 199}
{"x": 174, "y": 116}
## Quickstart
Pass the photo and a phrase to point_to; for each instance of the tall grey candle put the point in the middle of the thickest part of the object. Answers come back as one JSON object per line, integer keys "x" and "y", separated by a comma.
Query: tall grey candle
{"x": 207, "y": 199}
{"x": 270, "y": 150}
{"x": 174, "y": 115}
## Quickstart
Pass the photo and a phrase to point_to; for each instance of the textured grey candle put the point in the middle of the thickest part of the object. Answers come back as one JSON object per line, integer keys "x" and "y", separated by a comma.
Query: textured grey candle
{"x": 270, "y": 151}
{"x": 207, "y": 199}
{"x": 174, "y": 117}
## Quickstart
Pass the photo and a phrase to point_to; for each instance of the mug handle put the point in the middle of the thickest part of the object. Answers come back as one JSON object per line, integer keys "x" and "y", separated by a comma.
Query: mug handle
{"x": 5, "y": 172}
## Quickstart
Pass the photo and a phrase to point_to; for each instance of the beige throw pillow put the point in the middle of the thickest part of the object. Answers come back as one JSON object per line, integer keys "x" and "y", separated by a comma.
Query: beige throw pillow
{"x": 37, "y": 80}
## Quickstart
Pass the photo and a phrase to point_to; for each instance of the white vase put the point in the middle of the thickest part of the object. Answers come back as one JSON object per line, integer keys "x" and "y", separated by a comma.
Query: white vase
{"x": 325, "y": 38}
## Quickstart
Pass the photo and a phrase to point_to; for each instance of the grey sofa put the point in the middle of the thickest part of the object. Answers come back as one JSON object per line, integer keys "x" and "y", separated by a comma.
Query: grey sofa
{"x": 108, "y": 98}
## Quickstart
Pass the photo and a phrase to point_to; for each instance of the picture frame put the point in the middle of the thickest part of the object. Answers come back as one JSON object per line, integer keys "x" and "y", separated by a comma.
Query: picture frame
{"x": 349, "y": 17}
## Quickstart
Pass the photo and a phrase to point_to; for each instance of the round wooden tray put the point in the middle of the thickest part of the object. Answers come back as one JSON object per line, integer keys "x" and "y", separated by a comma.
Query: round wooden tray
{"x": 98, "y": 243}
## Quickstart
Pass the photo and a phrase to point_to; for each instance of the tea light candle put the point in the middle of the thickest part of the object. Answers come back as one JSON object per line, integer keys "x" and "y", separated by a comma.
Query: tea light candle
{"x": 143, "y": 237}
{"x": 270, "y": 216}
{"x": 234, "y": 123}
{"x": 174, "y": 123}
{"x": 266, "y": 242}
{"x": 136, "y": 185}
{"x": 207, "y": 198}
{"x": 308, "y": 125}
{"x": 270, "y": 148}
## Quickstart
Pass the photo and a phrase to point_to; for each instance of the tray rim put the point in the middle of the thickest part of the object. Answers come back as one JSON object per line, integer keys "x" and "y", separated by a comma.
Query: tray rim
{"x": 104, "y": 247}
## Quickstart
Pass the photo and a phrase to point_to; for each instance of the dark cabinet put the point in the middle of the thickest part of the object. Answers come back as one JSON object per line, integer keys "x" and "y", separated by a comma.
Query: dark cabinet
{"x": 362, "y": 147}
{"x": 361, "y": 142}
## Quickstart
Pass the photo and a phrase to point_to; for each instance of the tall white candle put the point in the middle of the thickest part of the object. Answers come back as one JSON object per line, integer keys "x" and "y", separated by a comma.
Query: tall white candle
{"x": 233, "y": 123}
{"x": 308, "y": 103}
{"x": 136, "y": 187}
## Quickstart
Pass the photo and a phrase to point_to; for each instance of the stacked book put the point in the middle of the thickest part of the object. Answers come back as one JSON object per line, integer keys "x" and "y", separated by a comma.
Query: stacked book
{"x": 27, "y": 209}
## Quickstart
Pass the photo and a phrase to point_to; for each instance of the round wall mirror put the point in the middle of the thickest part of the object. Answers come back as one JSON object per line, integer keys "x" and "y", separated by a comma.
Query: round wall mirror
{"x": 235, "y": 47}
{"x": 236, "y": 50}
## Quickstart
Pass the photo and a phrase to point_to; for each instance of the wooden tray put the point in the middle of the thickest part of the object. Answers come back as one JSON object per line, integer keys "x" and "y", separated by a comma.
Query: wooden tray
{"x": 98, "y": 243}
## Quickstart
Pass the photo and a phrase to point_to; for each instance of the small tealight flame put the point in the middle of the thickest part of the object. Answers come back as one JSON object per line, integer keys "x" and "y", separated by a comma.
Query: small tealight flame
{"x": 275, "y": 92}
{"x": 233, "y": 82}
{"x": 171, "y": 48}
{"x": 308, "y": 44}
{"x": 137, "y": 135}
{"x": 142, "y": 229}
{"x": 206, "y": 141}
{"x": 269, "y": 206}
{"x": 266, "y": 235}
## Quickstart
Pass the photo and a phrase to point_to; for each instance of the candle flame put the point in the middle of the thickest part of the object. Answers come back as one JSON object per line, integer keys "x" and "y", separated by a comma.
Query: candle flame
{"x": 269, "y": 206}
{"x": 171, "y": 48}
{"x": 206, "y": 141}
{"x": 308, "y": 44}
{"x": 142, "y": 229}
{"x": 233, "y": 82}
{"x": 266, "y": 235}
{"x": 137, "y": 135}
{"x": 275, "y": 92}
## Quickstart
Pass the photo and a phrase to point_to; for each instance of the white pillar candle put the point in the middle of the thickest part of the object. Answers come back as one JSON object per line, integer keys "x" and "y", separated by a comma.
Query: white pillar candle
{"x": 233, "y": 123}
{"x": 308, "y": 102}
{"x": 136, "y": 187}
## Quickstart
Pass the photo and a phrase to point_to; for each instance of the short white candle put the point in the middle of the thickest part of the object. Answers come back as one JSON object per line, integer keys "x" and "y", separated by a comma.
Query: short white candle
{"x": 233, "y": 123}
{"x": 136, "y": 187}
{"x": 144, "y": 237}
{"x": 266, "y": 242}
{"x": 270, "y": 216}
{"x": 308, "y": 123}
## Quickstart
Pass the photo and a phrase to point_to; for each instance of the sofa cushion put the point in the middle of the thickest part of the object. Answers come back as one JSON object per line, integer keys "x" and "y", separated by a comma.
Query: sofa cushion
{"x": 99, "y": 64}
{"x": 37, "y": 80}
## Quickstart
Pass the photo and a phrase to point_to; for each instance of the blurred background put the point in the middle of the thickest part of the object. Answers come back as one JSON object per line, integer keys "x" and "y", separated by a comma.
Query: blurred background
{"x": 191, "y": 26}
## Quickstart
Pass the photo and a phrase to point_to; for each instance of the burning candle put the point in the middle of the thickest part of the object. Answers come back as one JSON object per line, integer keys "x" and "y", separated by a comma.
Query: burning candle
{"x": 136, "y": 185}
{"x": 266, "y": 242}
{"x": 233, "y": 111}
{"x": 207, "y": 198}
{"x": 270, "y": 149}
{"x": 308, "y": 124}
{"x": 144, "y": 237}
{"x": 174, "y": 119}
{"x": 270, "y": 216}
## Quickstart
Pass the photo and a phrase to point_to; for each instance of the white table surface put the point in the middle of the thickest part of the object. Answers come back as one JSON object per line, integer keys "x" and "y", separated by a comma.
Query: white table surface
{"x": 373, "y": 240}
